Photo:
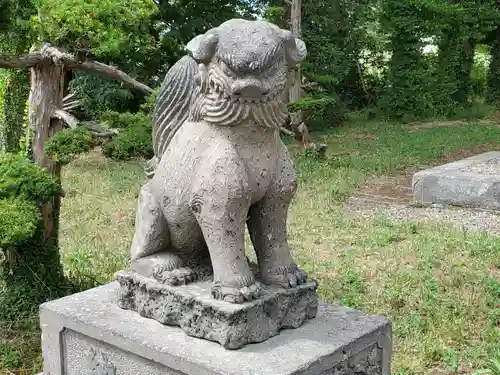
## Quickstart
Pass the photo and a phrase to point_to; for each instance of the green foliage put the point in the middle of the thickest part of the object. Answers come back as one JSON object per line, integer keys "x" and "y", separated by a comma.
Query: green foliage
{"x": 21, "y": 178}
{"x": 2, "y": 106}
{"x": 479, "y": 75}
{"x": 493, "y": 90}
{"x": 324, "y": 110}
{"x": 104, "y": 27}
{"x": 407, "y": 93}
{"x": 26, "y": 138}
{"x": 98, "y": 94}
{"x": 134, "y": 139}
{"x": 67, "y": 144}
{"x": 276, "y": 15}
{"x": 494, "y": 365}
{"x": 184, "y": 19}
{"x": 421, "y": 86}
{"x": 18, "y": 221}
{"x": 30, "y": 271}
{"x": 16, "y": 31}
{"x": 15, "y": 93}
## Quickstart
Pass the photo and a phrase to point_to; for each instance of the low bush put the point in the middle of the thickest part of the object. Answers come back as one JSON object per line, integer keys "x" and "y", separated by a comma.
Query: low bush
{"x": 134, "y": 139}
{"x": 320, "y": 112}
{"x": 65, "y": 145}
{"x": 30, "y": 268}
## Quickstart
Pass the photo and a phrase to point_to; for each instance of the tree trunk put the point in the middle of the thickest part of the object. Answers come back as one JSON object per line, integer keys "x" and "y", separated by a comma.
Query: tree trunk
{"x": 46, "y": 96}
{"x": 296, "y": 119}
{"x": 493, "y": 84}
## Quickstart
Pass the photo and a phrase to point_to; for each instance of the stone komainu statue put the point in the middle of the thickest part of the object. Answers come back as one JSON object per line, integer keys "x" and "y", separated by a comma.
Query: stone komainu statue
{"x": 220, "y": 164}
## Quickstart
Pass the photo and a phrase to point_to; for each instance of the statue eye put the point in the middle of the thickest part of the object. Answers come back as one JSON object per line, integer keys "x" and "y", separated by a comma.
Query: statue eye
{"x": 227, "y": 71}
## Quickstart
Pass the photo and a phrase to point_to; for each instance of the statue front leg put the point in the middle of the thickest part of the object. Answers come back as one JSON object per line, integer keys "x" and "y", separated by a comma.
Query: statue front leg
{"x": 220, "y": 203}
{"x": 267, "y": 227}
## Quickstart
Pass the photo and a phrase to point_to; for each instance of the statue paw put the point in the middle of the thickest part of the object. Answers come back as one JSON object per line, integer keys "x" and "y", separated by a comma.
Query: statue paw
{"x": 176, "y": 276}
{"x": 286, "y": 277}
{"x": 236, "y": 292}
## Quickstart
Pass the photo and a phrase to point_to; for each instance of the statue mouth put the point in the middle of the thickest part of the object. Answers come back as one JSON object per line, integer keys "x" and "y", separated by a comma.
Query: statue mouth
{"x": 235, "y": 97}
{"x": 232, "y": 102}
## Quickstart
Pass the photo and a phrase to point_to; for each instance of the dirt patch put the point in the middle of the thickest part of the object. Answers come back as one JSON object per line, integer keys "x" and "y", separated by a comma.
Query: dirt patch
{"x": 387, "y": 189}
{"x": 416, "y": 126}
{"x": 396, "y": 188}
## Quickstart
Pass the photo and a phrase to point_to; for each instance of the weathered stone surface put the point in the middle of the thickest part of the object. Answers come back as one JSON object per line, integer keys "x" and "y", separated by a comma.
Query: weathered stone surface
{"x": 87, "y": 333}
{"x": 472, "y": 182}
{"x": 192, "y": 308}
{"x": 220, "y": 164}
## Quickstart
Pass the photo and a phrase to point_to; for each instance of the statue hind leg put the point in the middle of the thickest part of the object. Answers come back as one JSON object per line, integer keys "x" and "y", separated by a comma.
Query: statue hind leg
{"x": 149, "y": 250}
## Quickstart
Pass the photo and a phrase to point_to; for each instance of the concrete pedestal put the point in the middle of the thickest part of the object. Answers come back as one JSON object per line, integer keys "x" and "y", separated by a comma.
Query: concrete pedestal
{"x": 87, "y": 333}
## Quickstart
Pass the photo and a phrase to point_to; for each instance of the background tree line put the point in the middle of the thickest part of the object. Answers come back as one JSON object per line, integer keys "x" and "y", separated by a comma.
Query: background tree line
{"x": 363, "y": 55}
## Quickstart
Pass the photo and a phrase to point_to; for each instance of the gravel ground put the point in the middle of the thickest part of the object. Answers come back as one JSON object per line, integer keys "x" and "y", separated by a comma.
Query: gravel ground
{"x": 470, "y": 219}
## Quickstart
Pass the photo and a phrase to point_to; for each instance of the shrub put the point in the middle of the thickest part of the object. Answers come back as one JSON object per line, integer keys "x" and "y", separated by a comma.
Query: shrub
{"x": 320, "y": 112}
{"x": 65, "y": 145}
{"x": 30, "y": 272}
{"x": 134, "y": 139}
{"x": 21, "y": 178}
{"x": 18, "y": 221}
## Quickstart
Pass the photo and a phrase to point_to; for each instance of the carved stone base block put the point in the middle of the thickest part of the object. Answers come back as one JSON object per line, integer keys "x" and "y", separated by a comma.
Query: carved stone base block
{"x": 87, "y": 333}
{"x": 192, "y": 308}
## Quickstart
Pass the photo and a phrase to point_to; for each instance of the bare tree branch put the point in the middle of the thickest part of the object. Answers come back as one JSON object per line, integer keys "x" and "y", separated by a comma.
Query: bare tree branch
{"x": 67, "y": 117}
{"x": 68, "y": 97}
{"x": 22, "y": 62}
{"x": 97, "y": 130}
{"x": 71, "y": 62}
{"x": 72, "y": 105}
{"x": 93, "y": 128}
{"x": 106, "y": 134}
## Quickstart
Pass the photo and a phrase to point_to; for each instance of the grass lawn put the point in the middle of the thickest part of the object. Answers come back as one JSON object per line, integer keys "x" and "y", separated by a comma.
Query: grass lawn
{"x": 439, "y": 286}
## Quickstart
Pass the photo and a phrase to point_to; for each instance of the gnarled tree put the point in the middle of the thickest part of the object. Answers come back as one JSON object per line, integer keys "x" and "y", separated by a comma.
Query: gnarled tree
{"x": 47, "y": 114}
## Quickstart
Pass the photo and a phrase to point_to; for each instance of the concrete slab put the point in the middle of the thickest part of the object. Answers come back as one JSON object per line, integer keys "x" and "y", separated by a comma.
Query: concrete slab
{"x": 473, "y": 182}
{"x": 87, "y": 333}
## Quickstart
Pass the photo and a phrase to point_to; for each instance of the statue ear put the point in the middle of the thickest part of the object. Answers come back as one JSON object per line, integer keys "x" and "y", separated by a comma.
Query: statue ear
{"x": 295, "y": 48}
{"x": 296, "y": 51}
{"x": 202, "y": 47}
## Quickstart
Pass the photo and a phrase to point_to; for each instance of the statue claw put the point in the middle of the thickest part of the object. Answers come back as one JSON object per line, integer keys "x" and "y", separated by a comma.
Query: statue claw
{"x": 235, "y": 294}
{"x": 287, "y": 277}
{"x": 177, "y": 276}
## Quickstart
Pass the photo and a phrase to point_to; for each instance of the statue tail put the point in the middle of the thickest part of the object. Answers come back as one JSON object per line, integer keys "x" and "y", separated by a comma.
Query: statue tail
{"x": 172, "y": 107}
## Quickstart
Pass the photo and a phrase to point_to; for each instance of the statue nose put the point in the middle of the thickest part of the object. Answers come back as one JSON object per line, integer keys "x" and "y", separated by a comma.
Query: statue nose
{"x": 249, "y": 89}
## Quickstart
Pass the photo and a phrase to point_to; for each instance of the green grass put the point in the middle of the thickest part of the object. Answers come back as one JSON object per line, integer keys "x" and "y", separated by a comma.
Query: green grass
{"x": 440, "y": 287}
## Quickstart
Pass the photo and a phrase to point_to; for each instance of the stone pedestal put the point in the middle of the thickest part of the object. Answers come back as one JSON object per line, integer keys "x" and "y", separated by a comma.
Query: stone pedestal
{"x": 88, "y": 333}
{"x": 473, "y": 182}
{"x": 192, "y": 308}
